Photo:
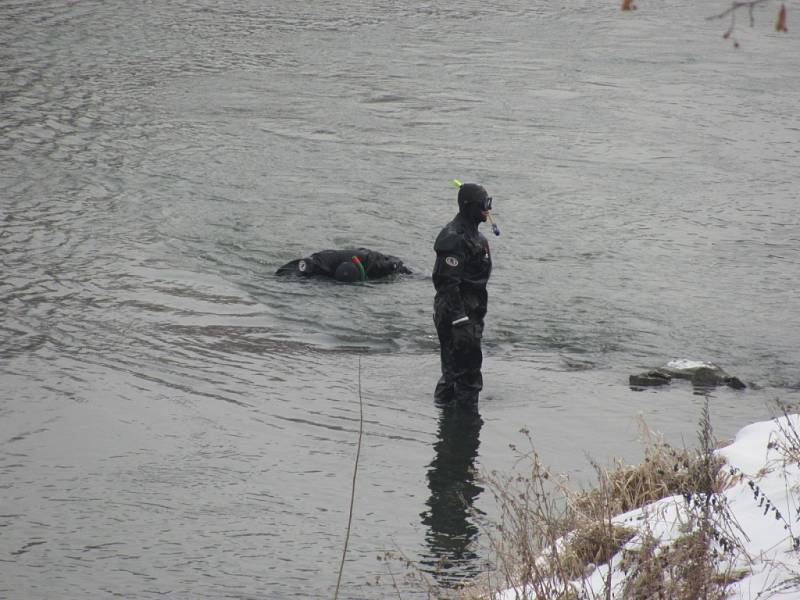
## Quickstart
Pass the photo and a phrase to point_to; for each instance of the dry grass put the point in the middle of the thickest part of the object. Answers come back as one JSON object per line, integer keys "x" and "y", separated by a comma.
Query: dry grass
{"x": 592, "y": 545}
{"x": 684, "y": 570}
{"x": 550, "y": 539}
{"x": 665, "y": 471}
{"x": 788, "y": 444}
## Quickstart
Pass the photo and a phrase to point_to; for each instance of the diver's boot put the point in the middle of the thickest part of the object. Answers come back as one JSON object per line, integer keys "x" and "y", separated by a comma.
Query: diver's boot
{"x": 444, "y": 392}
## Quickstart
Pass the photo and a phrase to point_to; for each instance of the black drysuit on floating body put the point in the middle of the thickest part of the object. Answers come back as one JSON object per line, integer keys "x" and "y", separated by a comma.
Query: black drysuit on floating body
{"x": 462, "y": 269}
{"x": 326, "y": 262}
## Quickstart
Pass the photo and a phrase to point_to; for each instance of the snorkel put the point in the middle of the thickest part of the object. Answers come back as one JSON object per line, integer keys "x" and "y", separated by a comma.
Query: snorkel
{"x": 489, "y": 217}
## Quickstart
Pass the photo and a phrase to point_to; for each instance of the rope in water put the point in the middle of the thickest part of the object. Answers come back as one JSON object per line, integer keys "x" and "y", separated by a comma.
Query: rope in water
{"x": 353, "y": 488}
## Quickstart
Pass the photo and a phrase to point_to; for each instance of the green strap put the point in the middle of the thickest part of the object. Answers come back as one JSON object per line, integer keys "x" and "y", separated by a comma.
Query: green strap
{"x": 360, "y": 268}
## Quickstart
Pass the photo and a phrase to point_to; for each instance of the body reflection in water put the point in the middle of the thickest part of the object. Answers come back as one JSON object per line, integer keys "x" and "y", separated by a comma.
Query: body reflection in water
{"x": 453, "y": 491}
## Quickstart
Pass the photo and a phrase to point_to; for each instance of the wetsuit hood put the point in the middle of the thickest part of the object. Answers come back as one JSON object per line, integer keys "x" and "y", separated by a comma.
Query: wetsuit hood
{"x": 471, "y": 201}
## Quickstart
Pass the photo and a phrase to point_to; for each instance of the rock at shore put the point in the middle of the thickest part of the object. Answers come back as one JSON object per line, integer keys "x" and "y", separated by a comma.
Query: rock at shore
{"x": 701, "y": 374}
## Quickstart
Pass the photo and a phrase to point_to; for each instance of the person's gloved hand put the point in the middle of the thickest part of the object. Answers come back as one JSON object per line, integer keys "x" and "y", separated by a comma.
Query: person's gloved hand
{"x": 463, "y": 336}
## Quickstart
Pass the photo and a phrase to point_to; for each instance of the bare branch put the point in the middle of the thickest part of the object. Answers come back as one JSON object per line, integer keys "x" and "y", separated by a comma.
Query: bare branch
{"x": 736, "y": 5}
{"x": 750, "y": 5}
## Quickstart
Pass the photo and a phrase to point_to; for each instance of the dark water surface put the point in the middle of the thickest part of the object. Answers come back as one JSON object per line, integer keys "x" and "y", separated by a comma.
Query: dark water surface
{"x": 175, "y": 421}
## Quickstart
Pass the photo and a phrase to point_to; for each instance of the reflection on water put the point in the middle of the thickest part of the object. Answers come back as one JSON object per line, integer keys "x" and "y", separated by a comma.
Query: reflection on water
{"x": 453, "y": 491}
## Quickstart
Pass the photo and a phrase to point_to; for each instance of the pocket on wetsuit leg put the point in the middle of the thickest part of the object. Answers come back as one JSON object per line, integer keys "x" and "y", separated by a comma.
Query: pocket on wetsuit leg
{"x": 468, "y": 337}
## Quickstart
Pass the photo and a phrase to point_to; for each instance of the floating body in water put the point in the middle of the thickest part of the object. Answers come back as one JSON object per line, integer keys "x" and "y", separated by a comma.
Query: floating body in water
{"x": 347, "y": 265}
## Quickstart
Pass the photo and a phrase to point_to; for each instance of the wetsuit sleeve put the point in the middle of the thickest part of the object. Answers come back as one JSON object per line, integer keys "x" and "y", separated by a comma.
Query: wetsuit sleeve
{"x": 290, "y": 268}
{"x": 447, "y": 274}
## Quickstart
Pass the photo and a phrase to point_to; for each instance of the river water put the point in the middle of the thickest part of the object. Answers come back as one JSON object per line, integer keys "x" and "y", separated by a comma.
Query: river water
{"x": 176, "y": 421}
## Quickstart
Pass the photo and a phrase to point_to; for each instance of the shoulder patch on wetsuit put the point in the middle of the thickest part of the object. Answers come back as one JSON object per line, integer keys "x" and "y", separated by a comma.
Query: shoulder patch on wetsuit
{"x": 452, "y": 261}
{"x": 302, "y": 266}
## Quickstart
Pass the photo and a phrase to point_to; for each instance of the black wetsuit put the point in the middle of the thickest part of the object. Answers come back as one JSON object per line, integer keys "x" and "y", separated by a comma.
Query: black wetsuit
{"x": 462, "y": 269}
{"x": 325, "y": 262}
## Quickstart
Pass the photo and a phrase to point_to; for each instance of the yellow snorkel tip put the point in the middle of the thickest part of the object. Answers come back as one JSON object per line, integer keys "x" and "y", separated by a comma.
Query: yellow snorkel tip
{"x": 456, "y": 183}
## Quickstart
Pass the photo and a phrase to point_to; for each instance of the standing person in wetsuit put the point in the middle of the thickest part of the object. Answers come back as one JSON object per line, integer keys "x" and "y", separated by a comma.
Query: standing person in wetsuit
{"x": 462, "y": 269}
{"x": 348, "y": 265}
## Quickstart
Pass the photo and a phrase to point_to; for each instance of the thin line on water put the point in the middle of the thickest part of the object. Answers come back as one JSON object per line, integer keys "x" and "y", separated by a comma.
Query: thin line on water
{"x": 353, "y": 487}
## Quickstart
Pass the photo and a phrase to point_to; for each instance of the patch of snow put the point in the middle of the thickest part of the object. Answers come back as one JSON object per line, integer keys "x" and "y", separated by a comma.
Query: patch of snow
{"x": 764, "y": 503}
{"x": 685, "y": 363}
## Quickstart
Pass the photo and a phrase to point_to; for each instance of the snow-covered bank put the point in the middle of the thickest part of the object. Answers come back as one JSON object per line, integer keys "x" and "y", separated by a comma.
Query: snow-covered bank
{"x": 757, "y": 520}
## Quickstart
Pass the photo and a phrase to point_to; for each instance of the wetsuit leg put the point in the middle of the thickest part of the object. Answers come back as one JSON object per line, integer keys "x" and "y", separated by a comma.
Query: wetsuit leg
{"x": 467, "y": 373}
{"x": 445, "y": 387}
